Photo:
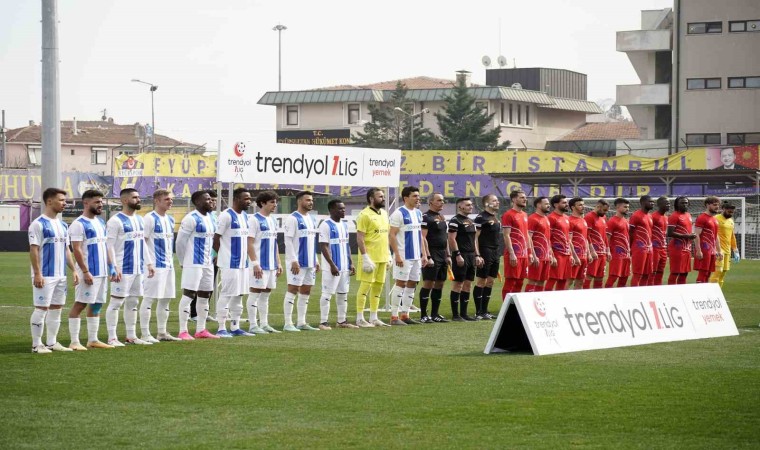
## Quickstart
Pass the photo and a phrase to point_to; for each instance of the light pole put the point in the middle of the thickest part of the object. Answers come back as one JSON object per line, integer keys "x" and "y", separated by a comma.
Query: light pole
{"x": 279, "y": 29}
{"x": 153, "y": 88}
{"x": 411, "y": 123}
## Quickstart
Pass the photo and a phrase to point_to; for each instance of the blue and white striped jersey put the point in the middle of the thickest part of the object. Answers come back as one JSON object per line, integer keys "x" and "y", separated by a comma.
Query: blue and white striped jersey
{"x": 52, "y": 237}
{"x": 233, "y": 246}
{"x": 159, "y": 238}
{"x": 126, "y": 236}
{"x": 92, "y": 234}
{"x": 196, "y": 239}
{"x": 263, "y": 230}
{"x": 409, "y": 237}
{"x": 301, "y": 239}
{"x": 336, "y": 235}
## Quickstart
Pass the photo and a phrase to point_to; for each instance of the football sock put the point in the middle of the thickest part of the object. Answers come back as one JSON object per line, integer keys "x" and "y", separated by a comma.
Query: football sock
{"x": 36, "y": 323}
{"x": 361, "y": 299}
{"x": 264, "y": 308}
{"x": 146, "y": 308}
{"x": 407, "y": 300}
{"x": 636, "y": 280}
{"x": 561, "y": 285}
{"x": 93, "y": 325}
{"x": 610, "y": 281}
{"x": 656, "y": 280}
{"x": 464, "y": 302}
{"x": 302, "y": 307}
{"x": 703, "y": 276}
{"x": 324, "y": 307}
{"x": 341, "y": 303}
{"x": 162, "y": 314}
{"x": 486, "y": 297}
{"x": 252, "y": 304}
{"x": 184, "y": 313}
{"x": 53, "y": 323}
{"x": 131, "y": 305}
{"x": 587, "y": 283}
{"x": 454, "y": 303}
{"x": 222, "y": 307}
{"x": 518, "y": 285}
{"x": 435, "y": 299}
{"x": 287, "y": 307}
{"x": 598, "y": 283}
{"x": 194, "y": 307}
{"x": 201, "y": 307}
{"x": 236, "y": 311}
{"x": 717, "y": 277}
{"x": 644, "y": 280}
{"x": 682, "y": 278}
{"x": 74, "y": 325}
{"x": 622, "y": 281}
{"x": 396, "y": 296}
{"x": 112, "y": 316}
{"x": 673, "y": 278}
{"x": 424, "y": 300}
{"x": 530, "y": 287}
{"x": 477, "y": 296}
{"x": 376, "y": 290}
{"x": 506, "y": 288}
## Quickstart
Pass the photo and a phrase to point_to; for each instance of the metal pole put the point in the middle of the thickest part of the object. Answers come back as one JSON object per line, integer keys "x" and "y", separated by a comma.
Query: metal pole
{"x": 279, "y": 59}
{"x": 152, "y": 116}
{"x": 411, "y": 146}
{"x": 51, "y": 122}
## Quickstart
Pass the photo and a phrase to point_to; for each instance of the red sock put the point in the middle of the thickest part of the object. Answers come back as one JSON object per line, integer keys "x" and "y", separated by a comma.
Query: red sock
{"x": 645, "y": 279}
{"x": 656, "y": 280}
{"x": 518, "y": 285}
{"x": 682, "y": 278}
{"x": 587, "y": 283}
{"x": 622, "y": 281}
{"x": 530, "y": 287}
{"x": 636, "y": 281}
{"x": 610, "y": 281}
{"x": 561, "y": 285}
{"x": 703, "y": 277}
{"x": 549, "y": 286}
{"x": 598, "y": 283}
{"x": 673, "y": 278}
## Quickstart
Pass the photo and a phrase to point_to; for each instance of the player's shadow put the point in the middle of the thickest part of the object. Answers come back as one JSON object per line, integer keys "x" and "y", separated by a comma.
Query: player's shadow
{"x": 14, "y": 347}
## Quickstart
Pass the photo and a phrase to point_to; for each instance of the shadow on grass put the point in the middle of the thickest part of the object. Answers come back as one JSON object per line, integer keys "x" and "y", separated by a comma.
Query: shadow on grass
{"x": 16, "y": 347}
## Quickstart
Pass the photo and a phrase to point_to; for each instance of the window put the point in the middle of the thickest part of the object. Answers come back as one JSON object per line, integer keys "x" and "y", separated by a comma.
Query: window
{"x": 743, "y": 82}
{"x": 35, "y": 155}
{"x": 743, "y": 138}
{"x": 703, "y": 139}
{"x": 72, "y": 152}
{"x": 99, "y": 156}
{"x": 527, "y": 115}
{"x": 741, "y": 26}
{"x": 702, "y": 83}
{"x": 483, "y": 106}
{"x": 705, "y": 27}
{"x": 519, "y": 115}
{"x": 291, "y": 115}
{"x": 354, "y": 113}
{"x": 511, "y": 121}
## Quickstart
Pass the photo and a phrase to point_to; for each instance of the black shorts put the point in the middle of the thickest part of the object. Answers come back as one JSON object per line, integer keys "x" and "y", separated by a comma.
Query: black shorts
{"x": 439, "y": 270}
{"x": 491, "y": 263}
{"x": 465, "y": 272}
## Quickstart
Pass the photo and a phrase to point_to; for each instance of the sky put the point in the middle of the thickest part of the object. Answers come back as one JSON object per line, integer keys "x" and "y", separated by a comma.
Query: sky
{"x": 213, "y": 60}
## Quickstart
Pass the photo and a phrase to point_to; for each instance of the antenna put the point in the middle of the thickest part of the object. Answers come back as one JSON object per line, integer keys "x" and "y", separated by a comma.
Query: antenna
{"x": 486, "y": 60}
{"x": 514, "y": 64}
{"x": 105, "y": 114}
{"x": 502, "y": 61}
{"x": 500, "y": 35}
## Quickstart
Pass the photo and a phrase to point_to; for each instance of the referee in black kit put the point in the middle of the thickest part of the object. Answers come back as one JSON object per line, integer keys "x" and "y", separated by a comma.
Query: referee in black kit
{"x": 487, "y": 240}
{"x": 464, "y": 258}
{"x": 434, "y": 230}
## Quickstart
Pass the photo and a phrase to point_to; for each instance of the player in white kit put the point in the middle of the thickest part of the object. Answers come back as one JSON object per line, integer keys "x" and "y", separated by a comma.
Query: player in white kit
{"x": 194, "y": 250}
{"x": 300, "y": 260}
{"x": 337, "y": 266}
{"x": 125, "y": 233}
{"x": 231, "y": 242}
{"x": 94, "y": 265}
{"x": 265, "y": 262}
{"x": 49, "y": 255}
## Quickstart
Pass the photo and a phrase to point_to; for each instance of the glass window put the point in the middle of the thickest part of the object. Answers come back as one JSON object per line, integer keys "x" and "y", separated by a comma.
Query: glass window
{"x": 744, "y": 82}
{"x": 35, "y": 155}
{"x": 752, "y": 82}
{"x": 519, "y": 115}
{"x": 704, "y": 27}
{"x": 511, "y": 121}
{"x": 713, "y": 83}
{"x": 353, "y": 113}
{"x": 291, "y": 115}
{"x": 712, "y": 138}
{"x": 695, "y": 83}
{"x": 99, "y": 156}
{"x": 527, "y": 114}
{"x": 735, "y": 83}
{"x": 735, "y": 27}
{"x": 703, "y": 139}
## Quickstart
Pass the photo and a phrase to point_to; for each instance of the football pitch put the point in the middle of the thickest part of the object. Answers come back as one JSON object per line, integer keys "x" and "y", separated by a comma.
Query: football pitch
{"x": 422, "y": 386}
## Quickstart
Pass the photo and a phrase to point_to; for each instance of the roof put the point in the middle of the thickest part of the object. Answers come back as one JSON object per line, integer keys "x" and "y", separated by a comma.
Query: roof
{"x": 605, "y": 131}
{"x": 421, "y": 82}
{"x": 332, "y": 96}
{"x": 571, "y": 104}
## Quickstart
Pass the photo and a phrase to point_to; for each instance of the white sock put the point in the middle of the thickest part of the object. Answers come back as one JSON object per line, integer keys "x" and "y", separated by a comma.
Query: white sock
{"x": 264, "y": 308}
{"x": 373, "y": 316}
{"x": 396, "y": 294}
{"x": 287, "y": 307}
{"x": 324, "y": 307}
{"x": 201, "y": 307}
{"x": 341, "y": 302}
{"x": 53, "y": 323}
{"x": 184, "y": 312}
{"x": 252, "y": 305}
{"x": 407, "y": 300}
{"x": 74, "y": 325}
{"x": 93, "y": 325}
{"x": 222, "y": 306}
{"x": 162, "y": 314}
{"x": 302, "y": 307}
{"x": 146, "y": 309}
{"x": 37, "y": 323}
{"x": 131, "y": 305}
{"x": 236, "y": 311}
{"x": 112, "y": 316}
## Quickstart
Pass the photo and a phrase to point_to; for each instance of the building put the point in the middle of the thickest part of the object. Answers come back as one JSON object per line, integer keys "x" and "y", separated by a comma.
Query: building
{"x": 601, "y": 139}
{"x": 527, "y": 118}
{"x": 699, "y": 72}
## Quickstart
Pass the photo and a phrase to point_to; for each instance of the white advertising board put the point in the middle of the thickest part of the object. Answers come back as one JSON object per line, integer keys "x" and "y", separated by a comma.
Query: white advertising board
{"x": 569, "y": 321}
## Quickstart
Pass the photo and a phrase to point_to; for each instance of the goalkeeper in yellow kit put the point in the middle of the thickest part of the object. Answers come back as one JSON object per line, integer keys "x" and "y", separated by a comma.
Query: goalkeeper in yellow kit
{"x": 727, "y": 242}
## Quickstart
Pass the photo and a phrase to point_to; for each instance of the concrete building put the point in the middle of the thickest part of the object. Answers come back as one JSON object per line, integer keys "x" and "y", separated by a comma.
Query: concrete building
{"x": 699, "y": 72}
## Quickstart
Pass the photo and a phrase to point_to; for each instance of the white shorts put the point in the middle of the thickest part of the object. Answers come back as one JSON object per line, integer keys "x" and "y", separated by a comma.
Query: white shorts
{"x": 268, "y": 280}
{"x": 91, "y": 293}
{"x": 307, "y": 276}
{"x": 198, "y": 279}
{"x": 234, "y": 282}
{"x": 162, "y": 285}
{"x": 410, "y": 272}
{"x": 129, "y": 286}
{"x": 332, "y": 284}
{"x": 53, "y": 292}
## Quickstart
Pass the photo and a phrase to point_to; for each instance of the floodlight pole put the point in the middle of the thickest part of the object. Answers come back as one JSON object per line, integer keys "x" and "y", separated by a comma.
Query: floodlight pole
{"x": 51, "y": 121}
{"x": 411, "y": 123}
{"x": 279, "y": 29}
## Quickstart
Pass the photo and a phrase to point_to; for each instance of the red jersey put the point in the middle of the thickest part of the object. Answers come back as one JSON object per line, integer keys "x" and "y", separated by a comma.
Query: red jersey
{"x": 538, "y": 229}
{"x": 597, "y": 232}
{"x": 681, "y": 222}
{"x": 560, "y": 233}
{"x": 579, "y": 236}
{"x": 517, "y": 222}
{"x": 708, "y": 237}
{"x": 659, "y": 231}
{"x": 641, "y": 240}
{"x": 620, "y": 245}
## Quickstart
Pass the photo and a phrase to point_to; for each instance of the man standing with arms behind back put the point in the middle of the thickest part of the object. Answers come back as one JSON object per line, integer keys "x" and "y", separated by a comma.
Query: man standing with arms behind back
{"x": 619, "y": 237}
{"x": 564, "y": 253}
{"x": 539, "y": 233}
{"x": 641, "y": 242}
{"x": 597, "y": 236}
{"x": 707, "y": 250}
{"x": 580, "y": 242}
{"x": 679, "y": 246}
{"x": 266, "y": 265}
{"x": 659, "y": 241}
{"x": 727, "y": 240}
{"x": 487, "y": 239}
{"x": 518, "y": 248}
{"x": 337, "y": 266}
{"x": 435, "y": 233}
{"x": 372, "y": 228}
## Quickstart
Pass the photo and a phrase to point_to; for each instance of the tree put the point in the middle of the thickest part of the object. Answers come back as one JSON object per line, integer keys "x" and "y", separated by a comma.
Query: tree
{"x": 464, "y": 125}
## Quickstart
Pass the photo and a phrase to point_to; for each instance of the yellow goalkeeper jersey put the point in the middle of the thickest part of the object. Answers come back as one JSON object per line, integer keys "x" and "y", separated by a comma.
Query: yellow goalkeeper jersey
{"x": 375, "y": 226}
{"x": 726, "y": 234}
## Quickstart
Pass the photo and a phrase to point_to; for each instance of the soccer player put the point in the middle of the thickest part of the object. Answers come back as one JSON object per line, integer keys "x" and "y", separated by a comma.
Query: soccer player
{"x": 93, "y": 263}
{"x": 435, "y": 233}
{"x": 193, "y": 311}
{"x": 337, "y": 266}
{"x": 231, "y": 242}
{"x": 564, "y": 253}
{"x": 372, "y": 228}
{"x": 462, "y": 244}
{"x": 679, "y": 246}
{"x": 266, "y": 262}
{"x": 597, "y": 236}
{"x": 727, "y": 240}
{"x": 659, "y": 241}
{"x": 641, "y": 225}
{"x": 125, "y": 233}
{"x": 49, "y": 254}
{"x": 301, "y": 261}
{"x": 539, "y": 232}
{"x": 707, "y": 248}
{"x": 194, "y": 246}
{"x": 487, "y": 236}
{"x": 618, "y": 236}
{"x": 579, "y": 241}
{"x": 518, "y": 249}
{"x": 159, "y": 239}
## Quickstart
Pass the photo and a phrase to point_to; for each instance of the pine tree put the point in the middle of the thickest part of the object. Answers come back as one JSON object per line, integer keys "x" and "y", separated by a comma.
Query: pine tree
{"x": 463, "y": 125}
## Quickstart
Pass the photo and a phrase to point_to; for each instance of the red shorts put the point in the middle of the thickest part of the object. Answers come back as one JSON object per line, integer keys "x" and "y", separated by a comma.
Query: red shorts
{"x": 562, "y": 271}
{"x": 659, "y": 260}
{"x": 680, "y": 262}
{"x": 596, "y": 267}
{"x": 519, "y": 272}
{"x": 579, "y": 272}
{"x": 641, "y": 263}
{"x": 707, "y": 263}
{"x": 539, "y": 272}
{"x": 620, "y": 267}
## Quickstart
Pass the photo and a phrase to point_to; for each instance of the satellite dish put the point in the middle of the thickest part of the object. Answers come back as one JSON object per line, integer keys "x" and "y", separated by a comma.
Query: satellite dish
{"x": 502, "y": 61}
{"x": 516, "y": 86}
{"x": 486, "y": 60}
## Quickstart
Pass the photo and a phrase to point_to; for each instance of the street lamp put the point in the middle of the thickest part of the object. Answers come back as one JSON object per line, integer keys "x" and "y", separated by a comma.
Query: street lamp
{"x": 153, "y": 88}
{"x": 411, "y": 123}
{"x": 279, "y": 29}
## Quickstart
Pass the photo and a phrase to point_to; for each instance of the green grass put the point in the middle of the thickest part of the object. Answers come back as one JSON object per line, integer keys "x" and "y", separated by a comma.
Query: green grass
{"x": 419, "y": 386}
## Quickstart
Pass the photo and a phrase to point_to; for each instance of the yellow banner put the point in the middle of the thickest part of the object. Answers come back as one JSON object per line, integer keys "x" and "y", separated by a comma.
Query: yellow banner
{"x": 165, "y": 165}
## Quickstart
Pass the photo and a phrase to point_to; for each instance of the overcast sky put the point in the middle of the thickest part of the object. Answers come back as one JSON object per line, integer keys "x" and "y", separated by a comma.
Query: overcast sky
{"x": 213, "y": 60}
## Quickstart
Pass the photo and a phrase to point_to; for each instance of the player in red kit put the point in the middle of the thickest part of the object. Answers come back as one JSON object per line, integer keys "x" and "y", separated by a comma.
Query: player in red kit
{"x": 659, "y": 241}
{"x": 679, "y": 247}
{"x": 618, "y": 235}
{"x": 579, "y": 241}
{"x": 518, "y": 252}
{"x": 707, "y": 250}
{"x": 539, "y": 233}
{"x": 564, "y": 253}
{"x": 597, "y": 236}
{"x": 641, "y": 242}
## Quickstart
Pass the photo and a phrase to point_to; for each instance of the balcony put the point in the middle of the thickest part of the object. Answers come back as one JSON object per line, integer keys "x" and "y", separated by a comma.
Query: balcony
{"x": 644, "y": 41}
{"x": 643, "y": 94}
